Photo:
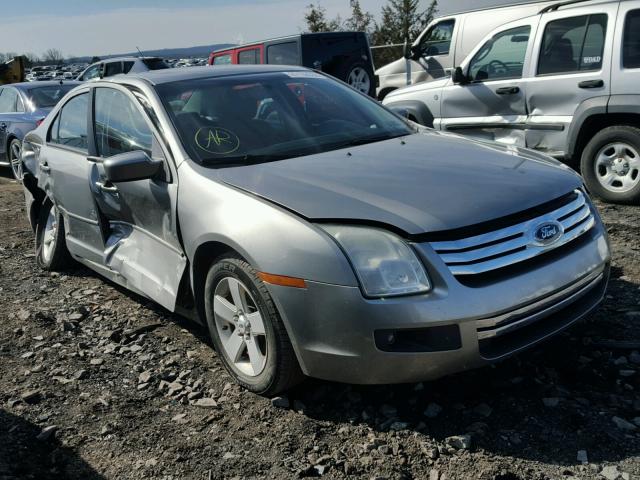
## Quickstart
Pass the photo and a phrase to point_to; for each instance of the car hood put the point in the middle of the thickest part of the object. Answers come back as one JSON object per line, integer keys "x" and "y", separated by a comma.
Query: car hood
{"x": 421, "y": 183}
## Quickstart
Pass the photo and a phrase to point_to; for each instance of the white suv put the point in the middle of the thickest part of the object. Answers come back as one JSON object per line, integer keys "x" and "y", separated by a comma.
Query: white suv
{"x": 564, "y": 82}
{"x": 116, "y": 66}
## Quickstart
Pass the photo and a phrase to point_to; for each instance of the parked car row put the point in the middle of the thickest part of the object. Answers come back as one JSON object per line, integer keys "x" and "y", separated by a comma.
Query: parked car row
{"x": 562, "y": 81}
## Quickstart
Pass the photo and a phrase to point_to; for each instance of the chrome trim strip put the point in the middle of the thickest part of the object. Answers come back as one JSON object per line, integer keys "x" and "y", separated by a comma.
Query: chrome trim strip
{"x": 548, "y": 305}
{"x": 77, "y": 217}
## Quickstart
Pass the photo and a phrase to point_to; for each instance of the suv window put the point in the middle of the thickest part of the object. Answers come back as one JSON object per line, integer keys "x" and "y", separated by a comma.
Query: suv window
{"x": 573, "y": 45}
{"x": 113, "y": 68}
{"x": 249, "y": 57}
{"x": 119, "y": 125}
{"x": 70, "y": 126}
{"x": 502, "y": 56}
{"x": 631, "y": 40}
{"x": 155, "y": 63}
{"x": 127, "y": 67}
{"x": 283, "y": 54}
{"x": 222, "y": 60}
{"x": 8, "y": 100}
{"x": 438, "y": 39}
{"x": 92, "y": 72}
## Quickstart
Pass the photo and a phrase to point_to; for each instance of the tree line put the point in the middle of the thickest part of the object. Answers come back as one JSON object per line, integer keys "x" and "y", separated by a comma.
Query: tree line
{"x": 400, "y": 21}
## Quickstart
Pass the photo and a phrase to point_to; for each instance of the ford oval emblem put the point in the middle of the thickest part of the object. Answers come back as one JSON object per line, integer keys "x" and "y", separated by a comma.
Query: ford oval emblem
{"x": 547, "y": 233}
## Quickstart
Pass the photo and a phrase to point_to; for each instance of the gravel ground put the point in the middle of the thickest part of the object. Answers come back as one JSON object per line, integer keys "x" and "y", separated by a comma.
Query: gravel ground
{"x": 96, "y": 382}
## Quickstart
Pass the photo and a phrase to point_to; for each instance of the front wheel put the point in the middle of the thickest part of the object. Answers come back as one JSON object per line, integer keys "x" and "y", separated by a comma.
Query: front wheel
{"x": 15, "y": 151}
{"x": 610, "y": 164}
{"x": 246, "y": 330}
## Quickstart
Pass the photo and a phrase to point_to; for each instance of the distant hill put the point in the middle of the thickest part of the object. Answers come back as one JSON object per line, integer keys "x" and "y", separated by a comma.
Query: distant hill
{"x": 187, "y": 52}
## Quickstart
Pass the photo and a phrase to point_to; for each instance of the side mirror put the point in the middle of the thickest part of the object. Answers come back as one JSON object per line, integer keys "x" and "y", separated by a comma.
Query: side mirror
{"x": 459, "y": 77}
{"x": 130, "y": 166}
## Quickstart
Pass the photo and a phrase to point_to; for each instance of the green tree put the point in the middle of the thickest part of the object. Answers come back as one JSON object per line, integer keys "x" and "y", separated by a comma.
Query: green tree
{"x": 316, "y": 19}
{"x": 401, "y": 20}
{"x": 359, "y": 21}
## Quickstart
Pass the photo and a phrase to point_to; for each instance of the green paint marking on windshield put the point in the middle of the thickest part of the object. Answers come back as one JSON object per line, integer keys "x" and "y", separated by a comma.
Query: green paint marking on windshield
{"x": 217, "y": 140}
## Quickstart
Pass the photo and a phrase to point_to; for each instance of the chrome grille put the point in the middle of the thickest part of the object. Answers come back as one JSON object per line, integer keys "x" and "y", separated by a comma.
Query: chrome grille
{"x": 514, "y": 244}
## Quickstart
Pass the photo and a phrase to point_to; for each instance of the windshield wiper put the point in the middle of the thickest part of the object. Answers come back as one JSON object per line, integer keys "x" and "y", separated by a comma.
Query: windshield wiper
{"x": 241, "y": 160}
{"x": 354, "y": 142}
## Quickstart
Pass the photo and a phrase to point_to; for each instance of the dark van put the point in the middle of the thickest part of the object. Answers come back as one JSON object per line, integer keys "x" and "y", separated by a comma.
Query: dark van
{"x": 344, "y": 55}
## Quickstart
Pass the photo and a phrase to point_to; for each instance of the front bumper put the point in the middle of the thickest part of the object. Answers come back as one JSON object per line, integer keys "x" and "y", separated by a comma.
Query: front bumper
{"x": 340, "y": 335}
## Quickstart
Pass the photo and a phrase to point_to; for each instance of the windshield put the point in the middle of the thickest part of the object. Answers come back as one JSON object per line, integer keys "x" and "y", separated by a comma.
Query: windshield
{"x": 263, "y": 117}
{"x": 47, "y": 97}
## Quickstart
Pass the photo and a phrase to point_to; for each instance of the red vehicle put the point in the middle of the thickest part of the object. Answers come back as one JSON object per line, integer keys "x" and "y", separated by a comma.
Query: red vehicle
{"x": 344, "y": 55}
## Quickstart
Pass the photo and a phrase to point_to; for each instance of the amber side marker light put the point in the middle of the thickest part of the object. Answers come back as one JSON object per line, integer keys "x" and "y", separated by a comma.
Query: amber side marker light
{"x": 282, "y": 280}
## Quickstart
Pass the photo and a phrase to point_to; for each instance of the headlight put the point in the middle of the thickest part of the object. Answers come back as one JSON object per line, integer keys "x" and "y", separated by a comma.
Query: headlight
{"x": 384, "y": 263}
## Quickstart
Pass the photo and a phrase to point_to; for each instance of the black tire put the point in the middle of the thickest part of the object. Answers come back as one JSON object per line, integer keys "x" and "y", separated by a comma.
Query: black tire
{"x": 281, "y": 371}
{"x": 15, "y": 147}
{"x": 617, "y": 134}
{"x": 385, "y": 92}
{"x": 58, "y": 258}
{"x": 369, "y": 75}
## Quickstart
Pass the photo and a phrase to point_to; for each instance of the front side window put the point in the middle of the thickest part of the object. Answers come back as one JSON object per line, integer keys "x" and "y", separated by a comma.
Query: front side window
{"x": 631, "y": 40}
{"x": 502, "y": 56}
{"x": 92, "y": 72}
{"x": 573, "y": 44}
{"x": 8, "y": 100}
{"x": 264, "y": 117}
{"x": 70, "y": 126}
{"x": 437, "y": 41}
{"x": 283, "y": 54}
{"x": 119, "y": 126}
{"x": 222, "y": 60}
{"x": 249, "y": 57}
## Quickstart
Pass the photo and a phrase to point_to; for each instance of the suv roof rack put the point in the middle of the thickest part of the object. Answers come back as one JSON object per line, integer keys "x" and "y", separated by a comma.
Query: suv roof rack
{"x": 556, "y": 6}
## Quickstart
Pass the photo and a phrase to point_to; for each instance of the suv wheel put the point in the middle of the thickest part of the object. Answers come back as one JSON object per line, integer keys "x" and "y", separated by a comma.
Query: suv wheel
{"x": 51, "y": 249}
{"x": 358, "y": 78}
{"x": 610, "y": 164}
{"x": 247, "y": 331}
{"x": 15, "y": 149}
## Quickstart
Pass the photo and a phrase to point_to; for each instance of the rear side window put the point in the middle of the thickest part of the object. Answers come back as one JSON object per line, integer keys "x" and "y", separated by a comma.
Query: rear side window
{"x": 573, "y": 44}
{"x": 119, "y": 125}
{"x": 438, "y": 40}
{"x": 283, "y": 54}
{"x": 8, "y": 100}
{"x": 113, "y": 68}
{"x": 127, "y": 67}
{"x": 70, "y": 127}
{"x": 249, "y": 57}
{"x": 631, "y": 40}
{"x": 222, "y": 60}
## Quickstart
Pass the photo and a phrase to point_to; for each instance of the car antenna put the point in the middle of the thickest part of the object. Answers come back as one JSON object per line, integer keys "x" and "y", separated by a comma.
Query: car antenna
{"x": 139, "y": 52}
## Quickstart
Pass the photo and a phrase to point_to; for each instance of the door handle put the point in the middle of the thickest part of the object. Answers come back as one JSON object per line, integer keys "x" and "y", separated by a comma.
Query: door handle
{"x": 591, "y": 84}
{"x": 508, "y": 90}
{"x": 45, "y": 168}
{"x": 3, "y": 126}
{"x": 106, "y": 188}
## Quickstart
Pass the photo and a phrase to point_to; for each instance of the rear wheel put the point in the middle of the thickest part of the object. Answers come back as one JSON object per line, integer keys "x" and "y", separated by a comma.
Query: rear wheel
{"x": 359, "y": 78}
{"x": 246, "y": 330}
{"x": 610, "y": 164}
{"x": 15, "y": 150}
{"x": 51, "y": 249}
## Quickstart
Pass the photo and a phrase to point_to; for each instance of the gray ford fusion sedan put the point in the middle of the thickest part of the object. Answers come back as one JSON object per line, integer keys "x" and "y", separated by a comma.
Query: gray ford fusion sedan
{"x": 312, "y": 231}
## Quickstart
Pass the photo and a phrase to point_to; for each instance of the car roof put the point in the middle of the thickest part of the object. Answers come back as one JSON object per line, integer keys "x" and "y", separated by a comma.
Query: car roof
{"x": 290, "y": 37}
{"x": 157, "y": 77}
{"x": 25, "y": 86}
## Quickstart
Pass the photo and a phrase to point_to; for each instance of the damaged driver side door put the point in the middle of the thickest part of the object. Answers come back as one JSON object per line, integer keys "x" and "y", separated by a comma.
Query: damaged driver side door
{"x": 138, "y": 215}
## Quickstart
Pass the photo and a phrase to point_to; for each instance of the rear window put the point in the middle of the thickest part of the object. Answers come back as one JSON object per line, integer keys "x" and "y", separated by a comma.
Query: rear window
{"x": 47, "y": 97}
{"x": 631, "y": 41}
{"x": 283, "y": 54}
{"x": 155, "y": 63}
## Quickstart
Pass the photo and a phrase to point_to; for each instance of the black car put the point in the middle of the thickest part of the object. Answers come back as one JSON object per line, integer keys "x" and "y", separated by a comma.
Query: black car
{"x": 344, "y": 55}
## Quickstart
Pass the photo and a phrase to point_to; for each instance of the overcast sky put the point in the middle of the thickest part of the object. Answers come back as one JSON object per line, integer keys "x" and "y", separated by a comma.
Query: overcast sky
{"x": 98, "y": 27}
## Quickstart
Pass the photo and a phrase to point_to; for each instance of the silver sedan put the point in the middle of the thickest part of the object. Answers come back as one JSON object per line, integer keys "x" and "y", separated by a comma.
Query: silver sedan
{"x": 308, "y": 228}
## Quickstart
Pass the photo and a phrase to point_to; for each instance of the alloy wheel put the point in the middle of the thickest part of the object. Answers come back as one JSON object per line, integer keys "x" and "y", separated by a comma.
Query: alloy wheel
{"x": 359, "y": 79}
{"x": 240, "y": 327}
{"x": 15, "y": 160}
{"x": 618, "y": 167}
{"x": 49, "y": 235}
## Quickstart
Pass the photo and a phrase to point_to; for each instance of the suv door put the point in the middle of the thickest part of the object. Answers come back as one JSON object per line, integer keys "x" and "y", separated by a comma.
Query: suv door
{"x": 64, "y": 172}
{"x": 139, "y": 217}
{"x": 490, "y": 101}
{"x": 571, "y": 65}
